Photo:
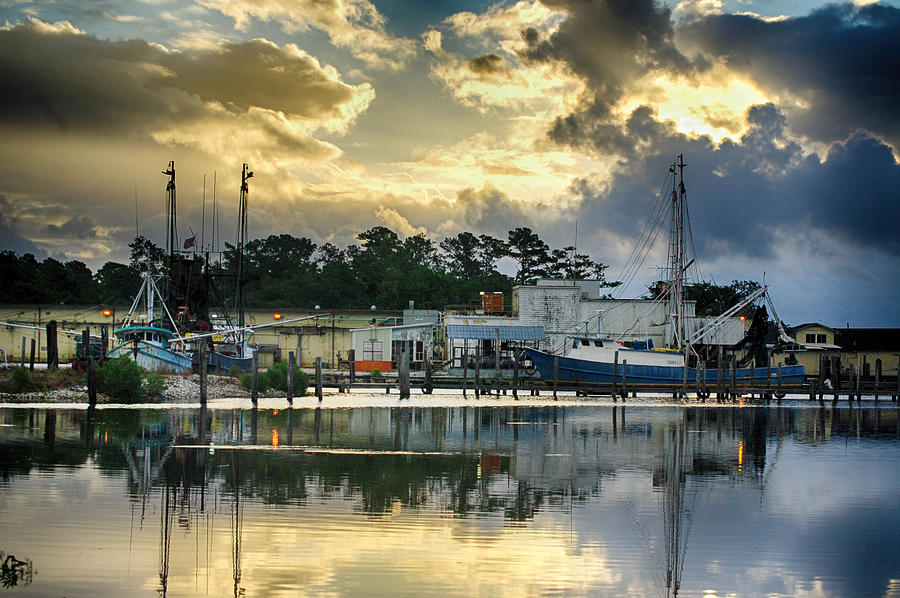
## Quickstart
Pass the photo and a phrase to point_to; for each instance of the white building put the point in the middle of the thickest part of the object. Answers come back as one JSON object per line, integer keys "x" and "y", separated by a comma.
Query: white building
{"x": 566, "y": 308}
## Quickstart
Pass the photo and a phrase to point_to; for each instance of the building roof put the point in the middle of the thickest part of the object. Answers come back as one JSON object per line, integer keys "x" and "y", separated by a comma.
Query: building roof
{"x": 868, "y": 339}
{"x": 808, "y": 325}
{"x": 505, "y": 333}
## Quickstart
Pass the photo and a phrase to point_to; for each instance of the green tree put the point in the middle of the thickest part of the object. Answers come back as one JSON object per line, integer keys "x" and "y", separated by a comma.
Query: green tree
{"x": 530, "y": 253}
{"x": 117, "y": 283}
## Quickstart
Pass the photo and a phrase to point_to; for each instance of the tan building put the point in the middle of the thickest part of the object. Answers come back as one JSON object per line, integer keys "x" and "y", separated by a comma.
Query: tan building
{"x": 862, "y": 348}
{"x": 324, "y": 333}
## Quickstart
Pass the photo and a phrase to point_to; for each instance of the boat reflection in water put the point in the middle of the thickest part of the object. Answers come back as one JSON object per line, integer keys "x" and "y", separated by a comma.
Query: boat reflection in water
{"x": 591, "y": 500}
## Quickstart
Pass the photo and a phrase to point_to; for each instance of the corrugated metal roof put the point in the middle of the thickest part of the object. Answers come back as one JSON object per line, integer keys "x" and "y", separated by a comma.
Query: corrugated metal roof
{"x": 507, "y": 333}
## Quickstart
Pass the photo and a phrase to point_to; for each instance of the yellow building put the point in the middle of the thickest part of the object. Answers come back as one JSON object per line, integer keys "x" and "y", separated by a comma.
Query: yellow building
{"x": 323, "y": 333}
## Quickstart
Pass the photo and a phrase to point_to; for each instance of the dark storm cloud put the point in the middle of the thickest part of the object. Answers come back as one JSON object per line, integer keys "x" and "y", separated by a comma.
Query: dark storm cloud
{"x": 609, "y": 43}
{"x": 77, "y": 227}
{"x": 487, "y": 65}
{"x": 745, "y": 196}
{"x": 842, "y": 61}
{"x": 11, "y": 239}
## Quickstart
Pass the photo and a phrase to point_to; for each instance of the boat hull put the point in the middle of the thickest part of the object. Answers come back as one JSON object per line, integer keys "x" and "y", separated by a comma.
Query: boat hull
{"x": 154, "y": 358}
{"x": 598, "y": 372}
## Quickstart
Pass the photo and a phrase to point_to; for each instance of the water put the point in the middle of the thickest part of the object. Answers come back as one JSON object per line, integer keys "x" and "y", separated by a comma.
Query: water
{"x": 577, "y": 499}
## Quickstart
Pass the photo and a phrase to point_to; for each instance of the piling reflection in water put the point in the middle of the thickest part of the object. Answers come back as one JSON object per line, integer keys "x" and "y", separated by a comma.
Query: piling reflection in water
{"x": 599, "y": 499}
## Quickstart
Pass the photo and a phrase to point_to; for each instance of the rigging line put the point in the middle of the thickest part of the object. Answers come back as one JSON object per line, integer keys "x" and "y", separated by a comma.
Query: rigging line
{"x": 646, "y": 243}
{"x": 652, "y": 218}
{"x": 649, "y": 243}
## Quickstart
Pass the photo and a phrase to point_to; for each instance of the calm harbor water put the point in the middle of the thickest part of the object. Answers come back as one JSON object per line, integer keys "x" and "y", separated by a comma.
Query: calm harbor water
{"x": 532, "y": 500}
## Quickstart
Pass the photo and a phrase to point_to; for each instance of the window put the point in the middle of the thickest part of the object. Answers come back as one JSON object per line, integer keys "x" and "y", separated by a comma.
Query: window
{"x": 372, "y": 350}
{"x": 585, "y": 343}
{"x": 810, "y": 338}
{"x": 820, "y": 338}
{"x": 598, "y": 344}
{"x": 420, "y": 351}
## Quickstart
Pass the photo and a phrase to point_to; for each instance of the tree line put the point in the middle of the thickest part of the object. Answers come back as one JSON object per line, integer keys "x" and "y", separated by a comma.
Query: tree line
{"x": 287, "y": 271}
{"x": 381, "y": 270}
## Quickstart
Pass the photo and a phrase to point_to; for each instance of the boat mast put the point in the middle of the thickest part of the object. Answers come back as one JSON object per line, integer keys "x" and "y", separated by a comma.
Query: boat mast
{"x": 171, "y": 220}
{"x": 242, "y": 240}
{"x": 676, "y": 255}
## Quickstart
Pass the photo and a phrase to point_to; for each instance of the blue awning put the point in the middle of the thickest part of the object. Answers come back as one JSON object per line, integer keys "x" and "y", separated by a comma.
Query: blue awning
{"x": 506, "y": 333}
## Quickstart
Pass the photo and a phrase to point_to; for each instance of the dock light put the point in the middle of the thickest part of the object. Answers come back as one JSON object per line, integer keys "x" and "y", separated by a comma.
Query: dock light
{"x": 743, "y": 318}
{"x": 276, "y": 316}
{"x": 107, "y": 312}
{"x": 481, "y": 293}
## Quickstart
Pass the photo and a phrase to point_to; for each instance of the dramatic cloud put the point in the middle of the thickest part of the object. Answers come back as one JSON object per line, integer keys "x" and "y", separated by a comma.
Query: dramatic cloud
{"x": 353, "y": 24}
{"x": 834, "y": 71}
{"x": 73, "y": 80}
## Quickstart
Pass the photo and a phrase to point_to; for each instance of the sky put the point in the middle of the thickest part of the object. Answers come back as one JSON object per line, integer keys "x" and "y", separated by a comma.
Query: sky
{"x": 442, "y": 117}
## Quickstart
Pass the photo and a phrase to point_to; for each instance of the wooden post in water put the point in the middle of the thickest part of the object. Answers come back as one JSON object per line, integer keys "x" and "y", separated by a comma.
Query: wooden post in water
{"x": 351, "y": 356}
{"x": 23, "y": 351}
{"x": 289, "y": 391}
{"x": 91, "y": 382}
{"x": 497, "y": 358}
{"x": 477, "y": 368}
{"x": 428, "y": 386}
{"x": 877, "y": 377}
{"x": 52, "y": 346}
{"x": 319, "y": 393}
{"x": 515, "y": 390}
{"x": 104, "y": 340}
{"x": 31, "y": 356}
{"x": 733, "y": 376}
{"x": 254, "y": 379}
{"x": 624, "y": 379}
{"x": 404, "y": 374}
{"x": 465, "y": 364}
{"x": 854, "y": 384}
{"x": 684, "y": 377}
{"x": 821, "y": 383}
{"x": 720, "y": 376}
{"x": 860, "y": 361}
{"x": 85, "y": 343}
{"x": 201, "y": 366}
{"x": 615, "y": 388}
{"x": 555, "y": 375}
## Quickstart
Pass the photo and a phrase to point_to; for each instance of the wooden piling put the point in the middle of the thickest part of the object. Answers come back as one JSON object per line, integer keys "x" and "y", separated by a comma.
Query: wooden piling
{"x": 615, "y": 388}
{"x": 780, "y": 393}
{"x": 428, "y": 386}
{"x": 319, "y": 393}
{"x": 733, "y": 376}
{"x": 720, "y": 376}
{"x": 515, "y": 390}
{"x": 477, "y": 368}
{"x": 52, "y": 346}
{"x": 201, "y": 366}
{"x": 85, "y": 343}
{"x": 91, "y": 382}
{"x": 254, "y": 379}
{"x": 465, "y": 364}
{"x": 555, "y": 375}
{"x": 877, "y": 378}
{"x": 289, "y": 391}
{"x": 104, "y": 340}
{"x": 624, "y": 379}
{"x": 23, "y": 351}
{"x": 351, "y": 356}
{"x": 684, "y": 377}
{"x": 31, "y": 356}
{"x": 404, "y": 375}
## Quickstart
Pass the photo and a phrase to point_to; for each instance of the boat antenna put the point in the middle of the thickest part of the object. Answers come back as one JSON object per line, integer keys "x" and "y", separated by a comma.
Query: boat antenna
{"x": 137, "y": 232}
